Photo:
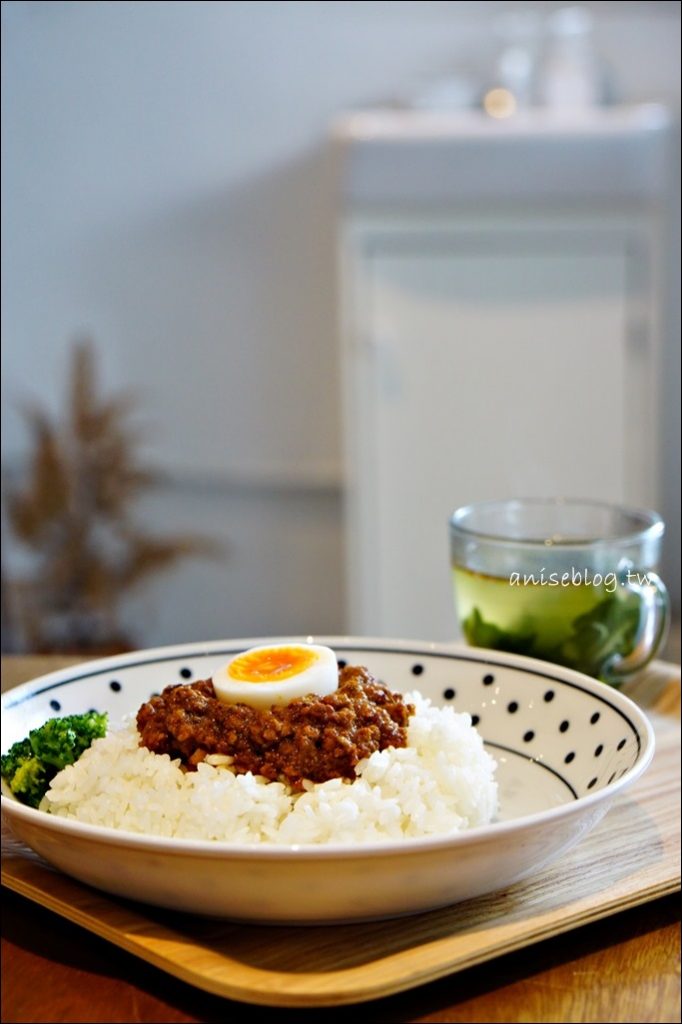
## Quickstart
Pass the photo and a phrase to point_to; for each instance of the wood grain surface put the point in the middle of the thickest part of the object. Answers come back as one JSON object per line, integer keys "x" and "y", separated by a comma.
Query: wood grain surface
{"x": 633, "y": 857}
{"x": 54, "y": 971}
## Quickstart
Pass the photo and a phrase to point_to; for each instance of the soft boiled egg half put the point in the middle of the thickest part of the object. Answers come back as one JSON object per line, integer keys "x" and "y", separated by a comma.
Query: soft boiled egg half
{"x": 276, "y": 674}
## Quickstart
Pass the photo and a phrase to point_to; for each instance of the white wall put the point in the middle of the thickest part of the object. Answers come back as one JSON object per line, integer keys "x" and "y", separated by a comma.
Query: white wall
{"x": 167, "y": 189}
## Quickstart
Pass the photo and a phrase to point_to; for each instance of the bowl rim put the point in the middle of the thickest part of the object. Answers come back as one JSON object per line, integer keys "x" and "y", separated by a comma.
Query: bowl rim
{"x": 213, "y": 849}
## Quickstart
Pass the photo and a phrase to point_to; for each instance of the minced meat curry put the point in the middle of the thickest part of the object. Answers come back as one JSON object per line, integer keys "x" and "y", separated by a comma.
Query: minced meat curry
{"x": 315, "y": 738}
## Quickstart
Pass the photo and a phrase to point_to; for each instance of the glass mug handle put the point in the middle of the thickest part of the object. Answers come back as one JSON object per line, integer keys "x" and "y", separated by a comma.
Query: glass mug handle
{"x": 652, "y": 630}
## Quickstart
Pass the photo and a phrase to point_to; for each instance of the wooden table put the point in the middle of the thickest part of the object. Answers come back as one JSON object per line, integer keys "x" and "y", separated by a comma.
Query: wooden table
{"x": 621, "y": 968}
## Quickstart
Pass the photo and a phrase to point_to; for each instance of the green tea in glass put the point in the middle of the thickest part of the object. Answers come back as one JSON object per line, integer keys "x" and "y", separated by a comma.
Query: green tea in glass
{"x": 571, "y": 582}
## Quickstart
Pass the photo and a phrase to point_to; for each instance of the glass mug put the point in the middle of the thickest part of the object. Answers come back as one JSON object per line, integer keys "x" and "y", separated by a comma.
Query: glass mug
{"x": 572, "y": 582}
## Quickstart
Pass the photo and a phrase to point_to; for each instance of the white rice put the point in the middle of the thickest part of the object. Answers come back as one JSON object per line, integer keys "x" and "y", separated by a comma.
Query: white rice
{"x": 442, "y": 782}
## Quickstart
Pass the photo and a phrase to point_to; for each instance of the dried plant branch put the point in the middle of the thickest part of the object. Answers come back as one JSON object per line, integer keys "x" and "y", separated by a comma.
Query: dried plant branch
{"x": 75, "y": 513}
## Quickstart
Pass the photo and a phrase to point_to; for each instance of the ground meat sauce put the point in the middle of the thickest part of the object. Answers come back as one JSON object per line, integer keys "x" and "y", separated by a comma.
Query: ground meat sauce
{"x": 315, "y": 738}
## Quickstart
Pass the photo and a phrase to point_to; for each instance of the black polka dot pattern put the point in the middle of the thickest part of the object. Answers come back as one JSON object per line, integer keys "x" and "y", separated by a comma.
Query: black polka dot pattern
{"x": 341, "y": 663}
{"x": 115, "y": 686}
{"x": 55, "y": 705}
{"x": 185, "y": 673}
{"x": 569, "y": 762}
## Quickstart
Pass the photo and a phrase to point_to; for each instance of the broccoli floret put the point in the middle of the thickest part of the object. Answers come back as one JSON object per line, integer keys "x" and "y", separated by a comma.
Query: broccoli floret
{"x": 61, "y": 741}
{"x": 26, "y": 775}
{"x": 18, "y": 753}
{"x": 31, "y": 780}
{"x": 30, "y": 764}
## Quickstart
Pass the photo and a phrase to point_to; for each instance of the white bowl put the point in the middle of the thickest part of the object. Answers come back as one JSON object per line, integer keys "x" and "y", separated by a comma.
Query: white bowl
{"x": 566, "y": 746}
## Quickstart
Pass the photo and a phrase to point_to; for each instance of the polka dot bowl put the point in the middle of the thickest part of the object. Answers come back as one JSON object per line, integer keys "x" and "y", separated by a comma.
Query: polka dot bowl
{"x": 566, "y": 746}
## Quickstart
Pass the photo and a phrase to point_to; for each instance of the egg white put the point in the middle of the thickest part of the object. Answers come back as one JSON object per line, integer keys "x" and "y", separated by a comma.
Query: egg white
{"x": 319, "y": 676}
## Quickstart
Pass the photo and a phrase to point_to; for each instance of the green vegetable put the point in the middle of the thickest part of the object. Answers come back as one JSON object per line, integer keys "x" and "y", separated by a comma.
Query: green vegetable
{"x": 30, "y": 764}
{"x": 480, "y": 633}
{"x": 30, "y": 781}
{"x": 608, "y": 629}
{"x": 25, "y": 774}
{"x": 61, "y": 741}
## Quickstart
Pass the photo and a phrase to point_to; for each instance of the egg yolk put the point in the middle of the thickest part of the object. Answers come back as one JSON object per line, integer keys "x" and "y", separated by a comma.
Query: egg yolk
{"x": 271, "y": 665}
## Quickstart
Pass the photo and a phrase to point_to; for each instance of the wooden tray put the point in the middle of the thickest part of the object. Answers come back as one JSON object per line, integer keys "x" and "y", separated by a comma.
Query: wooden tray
{"x": 632, "y": 857}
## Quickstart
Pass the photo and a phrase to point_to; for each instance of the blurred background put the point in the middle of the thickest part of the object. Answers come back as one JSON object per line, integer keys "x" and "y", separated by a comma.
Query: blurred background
{"x": 198, "y": 190}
